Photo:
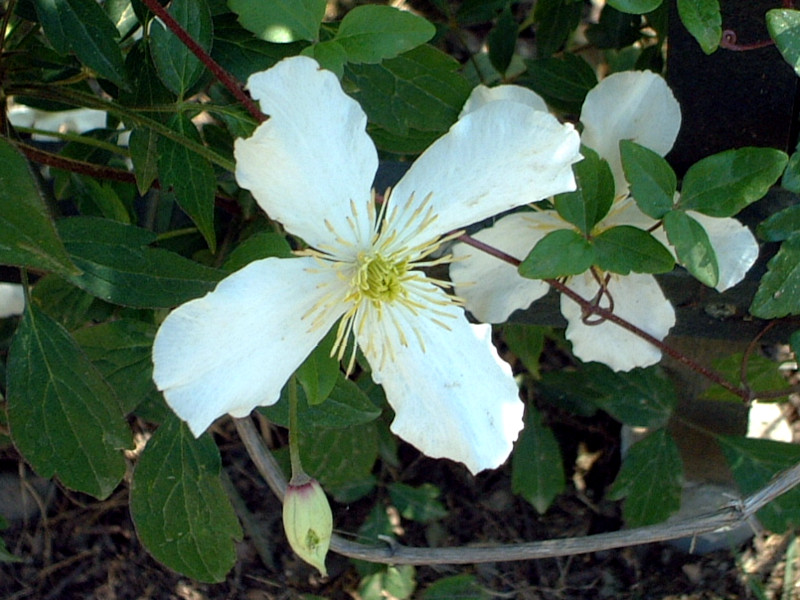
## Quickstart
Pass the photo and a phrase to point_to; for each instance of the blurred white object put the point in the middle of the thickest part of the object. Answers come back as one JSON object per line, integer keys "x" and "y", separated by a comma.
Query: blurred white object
{"x": 766, "y": 421}
{"x": 12, "y": 300}
{"x": 78, "y": 120}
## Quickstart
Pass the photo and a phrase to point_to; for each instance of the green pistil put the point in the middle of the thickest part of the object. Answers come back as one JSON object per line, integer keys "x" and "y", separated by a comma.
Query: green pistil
{"x": 380, "y": 279}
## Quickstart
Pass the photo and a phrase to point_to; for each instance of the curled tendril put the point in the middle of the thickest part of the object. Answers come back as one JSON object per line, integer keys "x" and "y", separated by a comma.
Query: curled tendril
{"x": 589, "y": 317}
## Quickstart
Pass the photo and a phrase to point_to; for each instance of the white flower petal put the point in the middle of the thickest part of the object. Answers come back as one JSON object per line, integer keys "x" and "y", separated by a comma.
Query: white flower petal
{"x": 734, "y": 244}
{"x": 631, "y": 105}
{"x": 12, "y": 300}
{"x": 496, "y": 158}
{"x": 453, "y": 399}
{"x": 492, "y": 288}
{"x": 312, "y": 157}
{"x": 639, "y": 300}
{"x": 234, "y": 348}
{"x": 482, "y": 95}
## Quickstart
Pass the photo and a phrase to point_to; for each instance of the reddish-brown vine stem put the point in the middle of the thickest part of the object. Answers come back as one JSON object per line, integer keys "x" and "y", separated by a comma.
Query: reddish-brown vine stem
{"x": 216, "y": 69}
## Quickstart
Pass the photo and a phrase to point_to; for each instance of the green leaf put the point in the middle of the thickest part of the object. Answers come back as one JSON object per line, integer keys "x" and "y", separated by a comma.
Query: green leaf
{"x": 502, "y": 40}
{"x": 635, "y": 7}
{"x": 190, "y": 176}
{"x": 329, "y": 54}
{"x": 703, "y": 20}
{"x": 791, "y": 176}
{"x": 346, "y": 406}
{"x": 265, "y": 244}
{"x": 28, "y": 237}
{"x": 320, "y": 371}
{"x": 420, "y": 90}
{"x": 754, "y": 462}
{"x": 723, "y": 184}
{"x": 537, "y": 472}
{"x": 472, "y": 12}
{"x": 778, "y": 293}
{"x": 555, "y": 20}
{"x": 181, "y": 511}
{"x": 337, "y": 457}
{"x": 62, "y": 301}
{"x": 280, "y": 21}
{"x": 122, "y": 352}
{"x": 393, "y": 582}
{"x": 639, "y": 398}
{"x": 561, "y": 252}
{"x": 794, "y": 342}
{"x": 586, "y": 206}
{"x": 63, "y": 416}
{"x": 692, "y": 246}
{"x": 119, "y": 267}
{"x": 763, "y": 374}
{"x": 419, "y": 504}
{"x": 563, "y": 82}
{"x": 176, "y": 65}
{"x": 143, "y": 144}
{"x": 781, "y": 225}
{"x": 783, "y": 25}
{"x": 652, "y": 180}
{"x": 626, "y": 248}
{"x": 649, "y": 480}
{"x": 462, "y": 587}
{"x": 372, "y": 33}
{"x": 526, "y": 342}
{"x": 81, "y": 26}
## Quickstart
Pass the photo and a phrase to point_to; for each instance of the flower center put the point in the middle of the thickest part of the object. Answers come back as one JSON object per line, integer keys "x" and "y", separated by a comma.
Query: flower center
{"x": 378, "y": 278}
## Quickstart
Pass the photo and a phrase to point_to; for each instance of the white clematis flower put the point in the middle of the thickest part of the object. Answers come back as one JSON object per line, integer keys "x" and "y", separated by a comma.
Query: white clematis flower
{"x": 622, "y": 106}
{"x": 12, "y": 300}
{"x": 311, "y": 166}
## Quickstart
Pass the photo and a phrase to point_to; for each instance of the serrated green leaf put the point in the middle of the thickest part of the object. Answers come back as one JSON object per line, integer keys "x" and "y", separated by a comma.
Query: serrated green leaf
{"x": 461, "y": 587}
{"x": 122, "y": 352}
{"x": 81, "y": 26}
{"x": 280, "y": 21}
{"x": 586, "y": 206}
{"x": 626, "y": 248}
{"x": 537, "y": 472}
{"x": 783, "y": 25}
{"x": 119, "y": 267}
{"x": 650, "y": 480}
{"x": 372, "y": 33}
{"x": 561, "y": 252}
{"x": 652, "y": 180}
{"x": 703, "y": 20}
{"x": 320, "y": 371}
{"x": 780, "y": 226}
{"x": 329, "y": 54}
{"x": 190, "y": 176}
{"x": 419, "y": 504}
{"x": 28, "y": 237}
{"x": 526, "y": 342}
{"x": 337, "y": 457}
{"x": 763, "y": 375}
{"x": 420, "y": 90}
{"x": 502, "y": 40}
{"x": 346, "y": 406}
{"x": 778, "y": 293}
{"x": 635, "y": 7}
{"x": 143, "y": 144}
{"x": 181, "y": 512}
{"x": 63, "y": 416}
{"x": 723, "y": 184}
{"x": 693, "y": 247}
{"x": 176, "y": 65}
{"x": 639, "y": 398}
{"x": 754, "y": 462}
{"x": 563, "y": 82}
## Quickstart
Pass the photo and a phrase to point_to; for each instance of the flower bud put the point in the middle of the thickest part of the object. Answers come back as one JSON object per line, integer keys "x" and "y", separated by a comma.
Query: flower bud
{"x": 308, "y": 522}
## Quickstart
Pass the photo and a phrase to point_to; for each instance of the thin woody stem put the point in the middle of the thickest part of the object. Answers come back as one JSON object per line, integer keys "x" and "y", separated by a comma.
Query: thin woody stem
{"x": 595, "y": 309}
{"x": 216, "y": 69}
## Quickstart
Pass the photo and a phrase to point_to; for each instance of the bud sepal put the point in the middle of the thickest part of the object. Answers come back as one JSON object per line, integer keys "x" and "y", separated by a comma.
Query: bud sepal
{"x": 307, "y": 520}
